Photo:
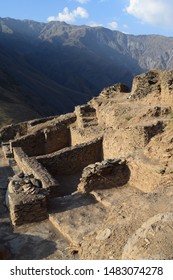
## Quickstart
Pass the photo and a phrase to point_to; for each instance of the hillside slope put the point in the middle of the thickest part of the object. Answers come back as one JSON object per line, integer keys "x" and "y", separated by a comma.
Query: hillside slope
{"x": 57, "y": 66}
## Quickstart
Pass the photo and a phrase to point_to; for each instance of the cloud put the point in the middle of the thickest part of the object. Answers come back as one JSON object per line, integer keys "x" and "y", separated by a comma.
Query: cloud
{"x": 113, "y": 25}
{"x": 68, "y": 16}
{"x": 155, "y": 12}
{"x": 82, "y": 1}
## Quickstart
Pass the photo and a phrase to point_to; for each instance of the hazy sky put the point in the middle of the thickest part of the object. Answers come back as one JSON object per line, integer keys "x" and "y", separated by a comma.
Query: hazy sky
{"x": 129, "y": 16}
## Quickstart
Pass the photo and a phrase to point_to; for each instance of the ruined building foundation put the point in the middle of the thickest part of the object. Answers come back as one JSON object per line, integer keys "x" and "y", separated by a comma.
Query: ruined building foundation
{"x": 97, "y": 175}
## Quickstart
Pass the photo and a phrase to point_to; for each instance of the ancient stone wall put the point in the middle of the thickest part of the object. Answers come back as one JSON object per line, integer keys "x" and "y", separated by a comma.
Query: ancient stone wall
{"x": 167, "y": 88}
{"x": 56, "y": 138}
{"x": 32, "y": 166}
{"x": 36, "y": 122}
{"x": 104, "y": 175}
{"x": 144, "y": 174}
{"x": 11, "y": 131}
{"x": 73, "y": 159}
{"x": 79, "y": 136}
{"x": 44, "y": 142}
{"x": 121, "y": 142}
{"x": 27, "y": 208}
{"x": 114, "y": 89}
{"x": 146, "y": 84}
{"x": 153, "y": 129}
{"x": 26, "y": 199}
{"x": 47, "y": 140}
{"x": 66, "y": 119}
{"x": 32, "y": 144}
{"x": 155, "y": 86}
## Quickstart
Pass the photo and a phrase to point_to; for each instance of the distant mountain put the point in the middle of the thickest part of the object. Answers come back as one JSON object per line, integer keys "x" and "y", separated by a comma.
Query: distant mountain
{"x": 51, "y": 67}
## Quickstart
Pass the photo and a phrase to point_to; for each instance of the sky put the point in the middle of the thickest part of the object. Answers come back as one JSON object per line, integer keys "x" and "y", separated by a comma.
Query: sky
{"x": 128, "y": 16}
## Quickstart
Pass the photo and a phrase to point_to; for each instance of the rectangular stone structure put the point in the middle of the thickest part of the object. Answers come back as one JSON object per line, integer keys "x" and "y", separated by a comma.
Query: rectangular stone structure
{"x": 27, "y": 208}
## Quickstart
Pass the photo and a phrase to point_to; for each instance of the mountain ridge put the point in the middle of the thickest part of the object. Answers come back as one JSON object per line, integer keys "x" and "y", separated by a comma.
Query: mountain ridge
{"x": 58, "y": 66}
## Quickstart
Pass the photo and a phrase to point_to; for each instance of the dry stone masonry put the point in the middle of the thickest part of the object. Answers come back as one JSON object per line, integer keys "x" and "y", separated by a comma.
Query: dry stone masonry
{"x": 107, "y": 174}
{"x": 102, "y": 175}
{"x": 26, "y": 199}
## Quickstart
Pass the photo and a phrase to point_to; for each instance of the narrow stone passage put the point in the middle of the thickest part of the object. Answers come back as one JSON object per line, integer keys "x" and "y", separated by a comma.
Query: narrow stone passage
{"x": 45, "y": 241}
{"x": 6, "y": 171}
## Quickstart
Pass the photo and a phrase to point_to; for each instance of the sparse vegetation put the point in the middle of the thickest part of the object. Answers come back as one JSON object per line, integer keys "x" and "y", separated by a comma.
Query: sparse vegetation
{"x": 128, "y": 117}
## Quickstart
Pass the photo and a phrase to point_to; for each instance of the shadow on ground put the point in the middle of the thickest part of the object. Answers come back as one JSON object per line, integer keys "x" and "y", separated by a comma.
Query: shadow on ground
{"x": 17, "y": 246}
{"x": 66, "y": 203}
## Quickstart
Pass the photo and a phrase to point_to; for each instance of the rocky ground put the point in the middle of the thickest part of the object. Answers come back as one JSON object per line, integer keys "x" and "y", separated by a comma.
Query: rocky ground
{"x": 129, "y": 221}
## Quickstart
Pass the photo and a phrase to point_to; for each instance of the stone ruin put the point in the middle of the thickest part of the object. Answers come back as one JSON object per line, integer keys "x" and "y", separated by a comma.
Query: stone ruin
{"x": 111, "y": 155}
{"x": 26, "y": 199}
{"x": 53, "y": 156}
{"x": 110, "y": 173}
{"x": 45, "y": 155}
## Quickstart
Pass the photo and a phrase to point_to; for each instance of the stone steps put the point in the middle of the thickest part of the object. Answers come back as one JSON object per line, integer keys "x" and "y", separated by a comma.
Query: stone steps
{"x": 89, "y": 118}
{"x": 87, "y": 122}
{"x": 86, "y": 116}
{"x": 91, "y": 124}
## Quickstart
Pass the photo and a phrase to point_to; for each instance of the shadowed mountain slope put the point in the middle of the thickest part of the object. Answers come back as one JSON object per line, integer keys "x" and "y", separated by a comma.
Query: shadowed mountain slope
{"x": 51, "y": 67}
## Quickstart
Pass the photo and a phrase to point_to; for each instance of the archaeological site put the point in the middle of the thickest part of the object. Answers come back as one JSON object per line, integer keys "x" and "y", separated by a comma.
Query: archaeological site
{"x": 93, "y": 184}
